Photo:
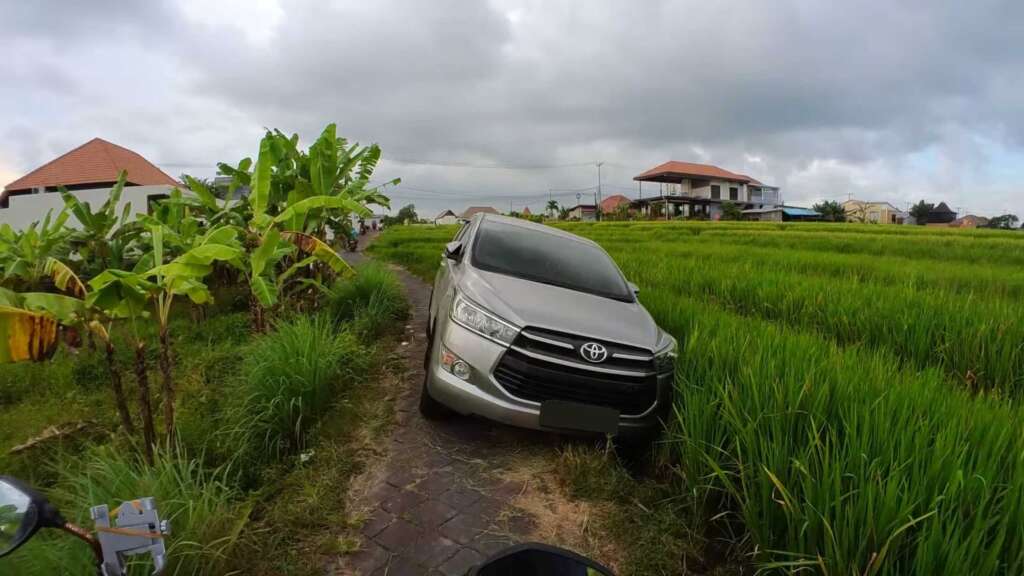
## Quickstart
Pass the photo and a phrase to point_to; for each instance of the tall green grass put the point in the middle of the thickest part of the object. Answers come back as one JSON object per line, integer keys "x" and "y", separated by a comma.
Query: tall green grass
{"x": 207, "y": 517}
{"x": 290, "y": 378}
{"x": 372, "y": 300}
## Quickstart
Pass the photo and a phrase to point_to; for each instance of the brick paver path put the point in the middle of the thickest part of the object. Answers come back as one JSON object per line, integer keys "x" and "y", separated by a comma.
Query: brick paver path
{"x": 440, "y": 504}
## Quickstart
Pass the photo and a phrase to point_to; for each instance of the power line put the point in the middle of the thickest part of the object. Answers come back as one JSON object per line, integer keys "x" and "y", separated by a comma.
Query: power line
{"x": 487, "y": 166}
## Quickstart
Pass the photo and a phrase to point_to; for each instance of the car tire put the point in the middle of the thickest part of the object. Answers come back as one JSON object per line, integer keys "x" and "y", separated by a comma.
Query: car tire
{"x": 430, "y": 408}
{"x": 636, "y": 453}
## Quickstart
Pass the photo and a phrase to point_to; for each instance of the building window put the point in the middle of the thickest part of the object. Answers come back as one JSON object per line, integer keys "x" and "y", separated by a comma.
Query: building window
{"x": 734, "y": 193}
{"x": 153, "y": 202}
{"x": 716, "y": 192}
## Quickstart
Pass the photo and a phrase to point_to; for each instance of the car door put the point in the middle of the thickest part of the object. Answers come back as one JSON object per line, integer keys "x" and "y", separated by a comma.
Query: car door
{"x": 443, "y": 278}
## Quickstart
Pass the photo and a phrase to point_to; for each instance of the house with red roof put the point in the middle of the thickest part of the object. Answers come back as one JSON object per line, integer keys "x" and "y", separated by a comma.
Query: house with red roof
{"x": 612, "y": 203}
{"x": 686, "y": 189}
{"x": 88, "y": 172}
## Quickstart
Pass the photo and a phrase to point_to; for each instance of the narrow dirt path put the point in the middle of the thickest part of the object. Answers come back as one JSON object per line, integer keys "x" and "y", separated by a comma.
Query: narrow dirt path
{"x": 446, "y": 495}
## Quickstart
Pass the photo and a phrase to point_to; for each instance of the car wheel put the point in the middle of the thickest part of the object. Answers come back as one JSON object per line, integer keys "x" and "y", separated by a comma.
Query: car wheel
{"x": 636, "y": 453}
{"x": 430, "y": 408}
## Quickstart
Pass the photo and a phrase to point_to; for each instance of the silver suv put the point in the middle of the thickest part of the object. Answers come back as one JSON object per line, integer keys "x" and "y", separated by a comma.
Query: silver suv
{"x": 538, "y": 328}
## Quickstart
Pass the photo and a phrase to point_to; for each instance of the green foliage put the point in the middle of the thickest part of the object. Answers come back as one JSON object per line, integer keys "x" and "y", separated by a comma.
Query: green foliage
{"x": 102, "y": 237}
{"x": 831, "y": 211}
{"x": 290, "y": 377}
{"x": 919, "y": 212}
{"x": 372, "y": 300}
{"x": 406, "y": 215}
{"x": 730, "y": 211}
{"x": 1004, "y": 222}
{"x": 207, "y": 519}
{"x": 24, "y": 253}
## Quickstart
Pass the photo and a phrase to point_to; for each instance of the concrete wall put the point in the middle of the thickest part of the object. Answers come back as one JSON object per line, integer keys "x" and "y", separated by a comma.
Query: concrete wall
{"x": 23, "y": 210}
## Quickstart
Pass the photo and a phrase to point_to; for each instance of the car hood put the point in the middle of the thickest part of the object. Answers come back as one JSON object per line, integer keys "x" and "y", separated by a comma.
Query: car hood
{"x": 528, "y": 303}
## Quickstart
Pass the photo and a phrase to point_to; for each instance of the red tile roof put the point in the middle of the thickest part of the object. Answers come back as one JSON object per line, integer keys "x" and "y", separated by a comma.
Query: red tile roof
{"x": 475, "y": 209}
{"x": 611, "y": 203}
{"x": 684, "y": 169}
{"x": 96, "y": 161}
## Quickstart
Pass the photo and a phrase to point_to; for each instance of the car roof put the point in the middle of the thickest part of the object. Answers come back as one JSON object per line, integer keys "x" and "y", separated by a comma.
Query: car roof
{"x": 529, "y": 225}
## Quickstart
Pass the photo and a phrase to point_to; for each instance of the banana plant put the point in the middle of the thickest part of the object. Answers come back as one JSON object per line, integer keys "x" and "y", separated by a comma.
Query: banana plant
{"x": 205, "y": 205}
{"x": 123, "y": 294}
{"x": 183, "y": 276}
{"x": 343, "y": 171}
{"x": 99, "y": 324}
{"x": 30, "y": 323}
{"x": 23, "y": 254}
{"x": 103, "y": 236}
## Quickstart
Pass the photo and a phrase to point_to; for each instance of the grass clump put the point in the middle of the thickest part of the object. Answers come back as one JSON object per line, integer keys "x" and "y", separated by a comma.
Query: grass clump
{"x": 290, "y": 378}
{"x": 207, "y": 518}
{"x": 372, "y": 300}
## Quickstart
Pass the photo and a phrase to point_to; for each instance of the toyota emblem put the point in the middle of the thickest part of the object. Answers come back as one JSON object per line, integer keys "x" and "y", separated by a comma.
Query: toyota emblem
{"x": 593, "y": 352}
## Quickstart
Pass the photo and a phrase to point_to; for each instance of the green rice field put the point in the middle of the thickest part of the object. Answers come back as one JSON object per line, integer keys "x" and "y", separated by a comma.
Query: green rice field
{"x": 849, "y": 396}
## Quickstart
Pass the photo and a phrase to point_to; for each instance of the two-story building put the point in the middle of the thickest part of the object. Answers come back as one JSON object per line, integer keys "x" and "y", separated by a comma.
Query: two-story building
{"x": 873, "y": 212}
{"x": 688, "y": 189}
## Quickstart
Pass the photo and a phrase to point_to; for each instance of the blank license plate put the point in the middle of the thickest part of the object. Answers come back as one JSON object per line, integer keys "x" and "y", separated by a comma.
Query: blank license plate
{"x": 582, "y": 417}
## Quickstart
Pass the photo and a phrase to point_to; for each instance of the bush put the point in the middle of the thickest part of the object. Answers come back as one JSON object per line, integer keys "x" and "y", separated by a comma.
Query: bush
{"x": 206, "y": 518}
{"x": 373, "y": 300}
{"x": 290, "y": 378}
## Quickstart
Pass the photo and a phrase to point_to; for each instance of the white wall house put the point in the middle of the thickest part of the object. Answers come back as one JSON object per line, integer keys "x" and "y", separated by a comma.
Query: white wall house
{"x": 24, "y": 209}
{"x": 88, "y": 172}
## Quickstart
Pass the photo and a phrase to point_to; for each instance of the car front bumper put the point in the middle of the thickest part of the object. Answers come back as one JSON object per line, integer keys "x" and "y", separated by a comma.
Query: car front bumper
{"x": 483, "y": 396}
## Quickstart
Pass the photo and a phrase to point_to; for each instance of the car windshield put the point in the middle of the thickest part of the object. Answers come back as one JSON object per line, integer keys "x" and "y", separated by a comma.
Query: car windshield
{"x": 548, "y": 258}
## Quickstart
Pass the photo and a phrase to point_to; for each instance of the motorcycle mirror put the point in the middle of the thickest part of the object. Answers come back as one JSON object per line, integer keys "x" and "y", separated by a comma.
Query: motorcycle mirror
{"x": 538, "y": 560}
{"x": 19, "y": 515}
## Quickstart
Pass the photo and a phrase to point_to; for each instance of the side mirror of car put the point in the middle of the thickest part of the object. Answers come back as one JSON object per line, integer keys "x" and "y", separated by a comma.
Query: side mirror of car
{"x": 453, "y": 250}
{"x": 23, "y": 512}
{"x": 634, "y": 288}
{"x": 538, "y": 560}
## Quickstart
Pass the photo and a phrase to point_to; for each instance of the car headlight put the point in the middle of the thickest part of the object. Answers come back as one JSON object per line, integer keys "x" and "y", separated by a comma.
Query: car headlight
{"x": 665, "y": 357}
{"x": 473, "y": 317}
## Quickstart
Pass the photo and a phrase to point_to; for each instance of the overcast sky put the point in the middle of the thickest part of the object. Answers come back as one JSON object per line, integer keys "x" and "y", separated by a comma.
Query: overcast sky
{"x": 500, "y": 102}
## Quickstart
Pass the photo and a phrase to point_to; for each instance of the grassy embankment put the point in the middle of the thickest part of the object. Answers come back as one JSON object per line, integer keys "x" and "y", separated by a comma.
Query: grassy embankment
{"x": 270, "y": 430}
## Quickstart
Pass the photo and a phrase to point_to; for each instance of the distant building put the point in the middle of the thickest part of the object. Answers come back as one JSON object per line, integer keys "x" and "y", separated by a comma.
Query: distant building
{"x": 970, "y": 221}
{"x": 446, "y": 217}
{"x": 88, "y": 172}
{"x": 941, "y": 214}
{"x": 584, "y": 212}
{"x": 526, "y": 211}
{"x": 688, "y": 189}
{"x": 781, "y": 214}
{"x": 873, "y": 212}
{"x": 612, "y": 203}
{"x": 469, "y": 212}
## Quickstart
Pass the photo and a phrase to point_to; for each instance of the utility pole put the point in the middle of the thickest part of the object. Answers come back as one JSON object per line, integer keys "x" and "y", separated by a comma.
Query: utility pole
{"x": 597, "y": 197}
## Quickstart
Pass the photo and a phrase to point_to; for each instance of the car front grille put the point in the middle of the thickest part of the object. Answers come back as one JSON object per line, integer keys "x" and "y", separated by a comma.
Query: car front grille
{"x": 544, "y": 365}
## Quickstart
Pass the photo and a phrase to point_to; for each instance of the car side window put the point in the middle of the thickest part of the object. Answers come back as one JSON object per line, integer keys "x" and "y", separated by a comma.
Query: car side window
{"x": 461, "y": 232}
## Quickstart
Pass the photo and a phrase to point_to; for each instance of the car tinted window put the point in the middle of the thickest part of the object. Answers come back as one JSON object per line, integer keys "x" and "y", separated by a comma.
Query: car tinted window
{"x": 547, "y": 258}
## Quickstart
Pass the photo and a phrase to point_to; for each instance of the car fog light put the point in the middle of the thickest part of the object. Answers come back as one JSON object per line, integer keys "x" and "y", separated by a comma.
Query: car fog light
{"x": 461, "y": 370}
